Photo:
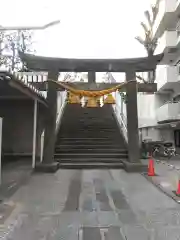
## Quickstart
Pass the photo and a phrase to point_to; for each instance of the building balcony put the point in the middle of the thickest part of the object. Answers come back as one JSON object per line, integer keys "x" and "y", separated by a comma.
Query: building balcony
{"x": 177, "y": 6}
{"x": 167, "y": 77}
{"x": 167, "y": 42}
{"x": 169, "y": 112}
{"x": 166, "y": 18}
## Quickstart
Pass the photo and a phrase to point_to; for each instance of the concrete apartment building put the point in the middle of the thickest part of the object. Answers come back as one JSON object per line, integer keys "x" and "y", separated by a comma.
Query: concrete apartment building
{"x": 159, "y": 113}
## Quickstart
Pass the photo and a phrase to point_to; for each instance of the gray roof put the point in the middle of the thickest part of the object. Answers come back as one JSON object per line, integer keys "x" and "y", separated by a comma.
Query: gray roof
{"x": 13, "y": 86}
{"x": 40, "y": 63}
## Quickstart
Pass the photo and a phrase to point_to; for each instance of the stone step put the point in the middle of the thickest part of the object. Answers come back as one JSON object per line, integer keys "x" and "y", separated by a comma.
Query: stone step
{"x": 78, "y": 143}
{"x": 87, "y": 138}
{"x": 89, "y": 133}
{"x": 84, "y": 131}
{"x": 89, "y": 150}
{"x": 90, "y": 142}
{"x": 92, "y": 146}
{"x": 91, "y": 166}
{"x": 88, "y": 126}
{"x": 110, "y": 137}
{"x": 88, "y": 160}
{"x": 84, "y": 138}
{"x": 90, "y": 155}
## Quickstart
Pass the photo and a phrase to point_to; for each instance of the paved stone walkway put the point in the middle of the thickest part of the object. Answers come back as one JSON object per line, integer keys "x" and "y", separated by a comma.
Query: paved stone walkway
{"x": 168, "y": 173}
{"x": 14, "y": 175}
{"x": 91, "y": 204}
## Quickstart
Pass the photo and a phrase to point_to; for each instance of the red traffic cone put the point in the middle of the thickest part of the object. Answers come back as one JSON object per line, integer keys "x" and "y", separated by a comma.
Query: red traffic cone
{"x": 151, "y": 168}
{"x": 178, "y": 189}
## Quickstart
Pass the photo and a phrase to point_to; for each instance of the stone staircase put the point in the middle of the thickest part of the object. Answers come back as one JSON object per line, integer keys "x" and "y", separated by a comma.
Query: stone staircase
{"x": 89, "y": 138}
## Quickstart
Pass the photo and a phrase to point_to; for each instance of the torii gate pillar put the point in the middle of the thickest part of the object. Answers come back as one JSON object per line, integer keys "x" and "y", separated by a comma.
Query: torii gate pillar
{"x": 48, "y": 164}
{"x": 134, "y": 163}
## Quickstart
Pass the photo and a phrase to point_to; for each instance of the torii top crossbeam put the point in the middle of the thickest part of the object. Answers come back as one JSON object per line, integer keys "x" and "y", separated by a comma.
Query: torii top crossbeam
{"x": 40, "y": 63}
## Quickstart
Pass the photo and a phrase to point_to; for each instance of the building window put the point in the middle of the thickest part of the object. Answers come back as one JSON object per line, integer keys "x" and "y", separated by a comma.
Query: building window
{"x": 146, "y": 132}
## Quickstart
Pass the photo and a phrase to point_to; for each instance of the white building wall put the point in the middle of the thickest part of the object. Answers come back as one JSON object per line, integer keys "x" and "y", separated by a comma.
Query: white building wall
{"x": 146, "y": 110}
{"x": 170, "y": 5}
{"x": 151, "y": 134}
{"x": 157, "y": 134}
{"x": 147, "y": 106}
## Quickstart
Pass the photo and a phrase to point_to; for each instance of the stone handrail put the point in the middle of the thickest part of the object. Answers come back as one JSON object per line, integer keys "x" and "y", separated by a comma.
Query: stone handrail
{"x": 119, "y": 110}
{"x": 120, "y": 116}
{"x": 62, "y": 103}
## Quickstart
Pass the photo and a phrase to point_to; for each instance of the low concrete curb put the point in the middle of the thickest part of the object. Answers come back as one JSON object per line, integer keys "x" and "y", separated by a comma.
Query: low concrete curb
{"x": 47, "y": 168}
{"x": 134, "y": 167}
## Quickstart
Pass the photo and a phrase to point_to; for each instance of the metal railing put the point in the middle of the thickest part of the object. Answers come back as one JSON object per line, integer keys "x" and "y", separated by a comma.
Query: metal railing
{"x": 40, "y": 77}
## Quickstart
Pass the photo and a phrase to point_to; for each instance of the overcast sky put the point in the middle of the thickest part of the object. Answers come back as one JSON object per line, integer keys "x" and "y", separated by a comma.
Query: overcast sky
{"x": 88, "y": 28}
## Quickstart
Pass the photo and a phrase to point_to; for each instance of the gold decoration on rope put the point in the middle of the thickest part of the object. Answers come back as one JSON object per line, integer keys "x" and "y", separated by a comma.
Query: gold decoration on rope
{"x": 92, "y": 102}
{"x": 109, "y": 99}
{"x": 73, "y": 99}
{"x": 75, "y": 95}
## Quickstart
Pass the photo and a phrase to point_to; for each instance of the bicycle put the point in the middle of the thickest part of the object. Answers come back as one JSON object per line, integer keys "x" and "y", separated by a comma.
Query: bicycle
{"x": 165, "y": 150}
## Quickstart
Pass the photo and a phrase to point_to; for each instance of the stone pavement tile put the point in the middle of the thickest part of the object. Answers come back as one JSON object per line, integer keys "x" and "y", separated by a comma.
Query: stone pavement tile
{"x": 112, "y": 185}
{"x": 98, "y": 184}
{"x": 87, "y": 201}
{"x": 41, "y": 207}
{"x": 167, "y": 233}
{"x": 162, "y": 218}
{"x": 75, "y": 219}
{"x": 67, "y": 219}
{"x": 101, "y": 195}
{"x": 68, "y": 233}
{"x": 141, "y": 194}
{"x": 72, "y": 202}
{"x": 5, "y": 211}
{"x": 113, "y": 233}
{"x": 46, "y": 228}
{"x": 137, "y": 233}
{"x": 103, "y": 200}
{"x": 128, "y": 217}
{"x": 89, "y": 219}
{"x": 106, "y": 219}
{"x": 14, "y": 175}
{"x": 119, "y": 200}
{"x": 90, "y": 233}
{"x": 88, "y": 205}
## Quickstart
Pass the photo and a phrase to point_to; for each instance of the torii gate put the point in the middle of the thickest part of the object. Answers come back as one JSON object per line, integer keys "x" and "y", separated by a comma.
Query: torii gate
{"x": 130, "y": 66}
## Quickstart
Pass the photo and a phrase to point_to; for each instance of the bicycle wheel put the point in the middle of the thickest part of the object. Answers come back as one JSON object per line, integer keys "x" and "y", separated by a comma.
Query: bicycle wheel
{"x": 167, "y": 154}
{"x": 155, "y": 153}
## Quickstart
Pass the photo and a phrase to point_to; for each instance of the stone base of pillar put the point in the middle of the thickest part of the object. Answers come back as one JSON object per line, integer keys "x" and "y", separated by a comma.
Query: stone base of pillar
{"x": 47, "y": 167}
{"x": 134, "y": 167}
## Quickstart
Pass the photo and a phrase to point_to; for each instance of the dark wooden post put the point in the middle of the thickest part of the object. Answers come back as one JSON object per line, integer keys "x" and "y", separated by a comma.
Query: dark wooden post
{"x": 91, "y": 77}
{"x": 132, "y": 118}
{"x": 48, "y": 164}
